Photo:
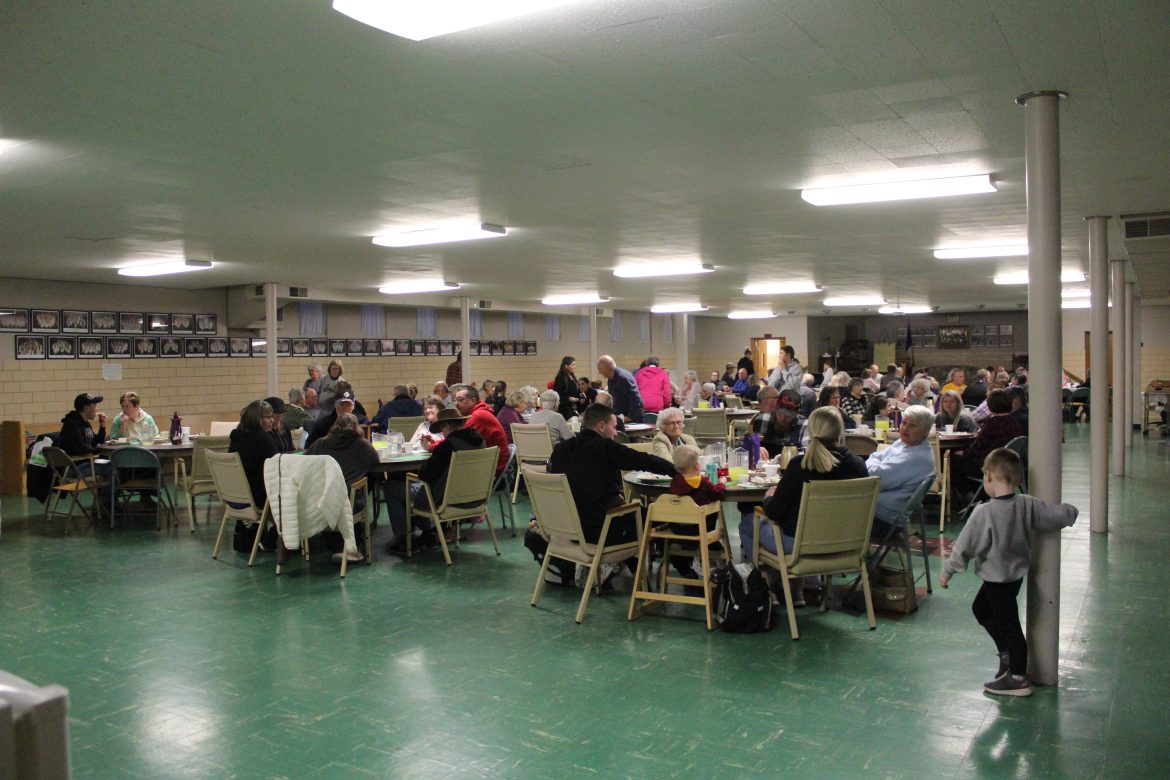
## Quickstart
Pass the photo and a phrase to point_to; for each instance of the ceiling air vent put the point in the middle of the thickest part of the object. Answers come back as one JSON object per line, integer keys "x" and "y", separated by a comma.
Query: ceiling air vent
{"x": 483, "y": 305}
{"x": 298, "y": 292}
{"x": 1151, "y": 226}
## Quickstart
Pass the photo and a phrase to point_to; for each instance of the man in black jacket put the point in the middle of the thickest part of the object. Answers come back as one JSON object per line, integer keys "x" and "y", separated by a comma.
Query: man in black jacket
{"x": 78, "y": 438}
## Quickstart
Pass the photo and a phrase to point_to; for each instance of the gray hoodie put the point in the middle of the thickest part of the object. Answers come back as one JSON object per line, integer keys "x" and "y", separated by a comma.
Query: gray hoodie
{"x": 998, "y": 536}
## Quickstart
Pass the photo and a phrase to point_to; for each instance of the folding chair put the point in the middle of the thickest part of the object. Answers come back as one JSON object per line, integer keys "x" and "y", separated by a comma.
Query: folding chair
{"x": 941, "y": 486}
{"x": 68, "y": 480}
{"x": 362, "y": 488}
{"x": 1018, "y": 445}
{"x": 503, "y": 485}
{"x": 899, "y": 534}
{"x": 533, "y": 449}
{"x": 404, "y": 425}
{"x": 862, "y": 446}
{"x": 222, "y": 427}
{"x": 710, "y": 426}
{"x": 470, "y": 479}
{"x": 199, "y": 481}
{"x": 129, "y": 467}
{"x": 832, "y": 537}
{"x": 733, "y": 402}
{"x": 228, "y": 474}
{"x": 650, "y": 418}
{"x": 558, "y": 521}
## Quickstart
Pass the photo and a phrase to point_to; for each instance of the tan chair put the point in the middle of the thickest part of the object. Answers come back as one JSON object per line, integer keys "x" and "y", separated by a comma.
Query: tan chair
{"x": 557, "y": 521}
{"x": 832, "y": 537}
{"x": 733, "y": 402}
{"x": 68, "y": 480}
{"x": 470, "y": 479}
{"x": 662, "y": 521}
{"x": 860, "y": 445}
{"x": 228, "y": 474}
{"x": 533, "y": 448}
{"x": 942, "y": 481}
{"x": 362, "y": 485}
{"x": 739, "y": 428}
{"x": 222, "y": 427}
{"x": 199, "y": 481}
{"x": 710, "y": 426}
{"x": 404, "y": 425}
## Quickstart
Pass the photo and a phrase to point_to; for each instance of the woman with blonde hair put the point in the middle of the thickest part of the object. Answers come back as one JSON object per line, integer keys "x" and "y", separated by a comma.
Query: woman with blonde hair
{"x": 133, "y": 422}
{"x": 951, "y": 411}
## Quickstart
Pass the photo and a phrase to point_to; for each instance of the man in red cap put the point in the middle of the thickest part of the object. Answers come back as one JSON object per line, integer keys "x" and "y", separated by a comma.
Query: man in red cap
{"x": 779, "y": 423}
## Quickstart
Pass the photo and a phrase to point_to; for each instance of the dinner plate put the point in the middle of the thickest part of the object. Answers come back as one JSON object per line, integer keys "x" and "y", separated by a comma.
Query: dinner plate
{"x": 649, "y": 477}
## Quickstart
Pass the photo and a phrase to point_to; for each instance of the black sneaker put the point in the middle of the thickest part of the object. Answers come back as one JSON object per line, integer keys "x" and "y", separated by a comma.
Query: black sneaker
{"x": 1003, "y": 666}
{"x": 1009, "y": 685}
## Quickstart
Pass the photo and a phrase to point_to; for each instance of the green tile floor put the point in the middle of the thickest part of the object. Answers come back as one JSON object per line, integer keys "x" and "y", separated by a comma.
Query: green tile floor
{"x": 180, "y": 666}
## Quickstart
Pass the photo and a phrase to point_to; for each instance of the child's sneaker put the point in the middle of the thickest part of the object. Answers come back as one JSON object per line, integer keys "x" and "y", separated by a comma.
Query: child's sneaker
{"x": 1003, "y": 666}
{"x": 1009, "y": 685}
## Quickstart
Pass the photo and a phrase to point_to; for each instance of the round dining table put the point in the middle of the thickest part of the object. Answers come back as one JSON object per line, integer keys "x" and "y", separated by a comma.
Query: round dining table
{"x": 650, "y": 489}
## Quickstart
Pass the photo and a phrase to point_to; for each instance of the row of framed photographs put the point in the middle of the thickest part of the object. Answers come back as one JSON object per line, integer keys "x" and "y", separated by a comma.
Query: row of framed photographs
{"x": 40, "y": 347}
{"x": 100, "y": 322}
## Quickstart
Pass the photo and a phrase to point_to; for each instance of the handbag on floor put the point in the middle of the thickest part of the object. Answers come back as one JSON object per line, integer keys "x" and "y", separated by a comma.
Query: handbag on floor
{"x": 743, "y": 603}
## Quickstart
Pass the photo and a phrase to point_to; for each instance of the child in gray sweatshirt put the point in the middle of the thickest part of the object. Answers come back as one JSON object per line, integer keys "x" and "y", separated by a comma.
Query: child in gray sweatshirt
{"x": 998, "y": 538}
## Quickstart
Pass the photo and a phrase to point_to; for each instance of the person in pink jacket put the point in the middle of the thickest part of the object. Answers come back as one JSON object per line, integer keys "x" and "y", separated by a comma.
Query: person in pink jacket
{"x": 654, "y": 386}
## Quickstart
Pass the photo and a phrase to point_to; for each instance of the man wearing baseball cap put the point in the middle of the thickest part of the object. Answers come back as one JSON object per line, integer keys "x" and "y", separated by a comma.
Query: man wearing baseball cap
{"x": 77, "y": 436}
{"x": 779, "y": 423}
{"x": 343, "y": 403}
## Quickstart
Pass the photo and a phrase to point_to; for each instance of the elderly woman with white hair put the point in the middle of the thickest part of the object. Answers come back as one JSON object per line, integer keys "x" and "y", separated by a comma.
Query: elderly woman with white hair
{"x": 688, "y": 394}
{"x": 548, "y": 415}
{"x": 515, "y": 404}
{"x": 708, "y": 394}
{"x": 670, "y": 434}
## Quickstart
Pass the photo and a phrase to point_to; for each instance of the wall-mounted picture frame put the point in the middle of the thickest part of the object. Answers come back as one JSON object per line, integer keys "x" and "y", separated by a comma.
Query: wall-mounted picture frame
{"x": 529, "y": 347}
{"x": 300, "y": 348}
{"x": 432, "y": 347}
{"x": 992, "y": 333}
{"x": 159, "y": 324}
{"x": 170, "y": 346}
{"x": 355, "y": 347}
{"x": 74, "y": 321}
{"x": 473, "y": 345}
{"x": 103, "y": 322}
{"x": 182, "y": 324}
{"x": 145, "y": 346}
{"x": 29, "y": 347}
{"x": 446, "y": 347}
{"x": 205, "y": 324}
{"x": 976, "y": 339}
{"x": 118, "y": 347}
{"x": 402, "y": 346}
{"x": 954, "y": 337}
{"x": 976, "y": 332}
{"x": 62, "y": 347}
{"x": 240, "y": 346}
{"x": 497, "y": 348}
{"x": 130, "y": 322}
{"x": 386, "y": 347}
{"x": 259, "y": 347}
{"x": 91, "y": 347}
{"x": 1006, "y": 341}
{"x": 217, "y": 346}
{"x": 418, "y": 347}
{"x": 14, "y": 320}
{"x": 509, "y": 347}
{"x": 485, "y": 348}
{"x": 45, "y": 320}
{"x": 319, "y": 347}
{"x": 371, "y": 347}
{"x": 283, "y": 347}
{"x": 1005, "y": 330}
{"x": 194, "y": 346}
{"x": 337, "y": 347}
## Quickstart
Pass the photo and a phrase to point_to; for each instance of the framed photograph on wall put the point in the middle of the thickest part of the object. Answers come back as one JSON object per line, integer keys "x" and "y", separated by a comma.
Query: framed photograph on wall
{"x": 320, "y": 347}
{"x": 473, "y": 344}
{"x": 529, "y": 347}
{"x": 354, "y": 347}
{"x": 91, "y": 347}
{"x": 205, "y": 324}
{"x": 402, "y": 346}
{"x": 46, "y": 321}
{"x": 337, "y": 347}
{"x": 259, "y": 347}
{"x": 74, "y": 321}
{"x": 446, "y": 347}
{"x": 30, "y": 347}
{"x": 976, "y": 339}
{"x": 929, "y": 340}
{"x": 497, "y": 347}
{"x": 182, "y": 324}
{"x": 418, "y": 347}
{"x": 991, "y": 332}
{"x": 1005, "y": 330}
{"x": 283, "y": 346}
{"x": 509, "y": 347}
{"x": 1006, "y": 341}
{"x": 103, "y": 321}
{"x": 432, "y": 348}
{"x": 158, "y": 323}
{"x": 145, "y": 347}
{"x": 371, "y": 347}
{"x": 485, "y": 348}
{"x": 14, "y": 320}
{"x": 62, "y": 347}
{"x": 386, "y": 347}
{"x": 170, "y": 346}
{"x": 954, "y": 337}
{"x": 129, "y": 322}
{"x": 240, "y": 346}
{"x": 217, "y": 346}
{"x": 300, "y": 348}
{"x": 977, "y": 331}
{"x": 117, "y": 347}
{"x": 195, "y": 347}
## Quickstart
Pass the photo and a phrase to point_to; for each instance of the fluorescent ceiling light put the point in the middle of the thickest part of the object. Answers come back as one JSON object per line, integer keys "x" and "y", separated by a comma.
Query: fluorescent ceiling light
{"x": 677, "y": 308}
{"x": 856, "y": 300}
{"x": 440, "y": 234}
{"x": 1021, "y": 277}
{"x": 899, "y": 190}
{"x": 750, "y": 315}
{"x": 575, "y": 298}
{"x": 640, "y": 269}
{"x": 165, "y": 267}
{"x": 781, "y": 288}
{"x": 1074, "y": 293}
{"x": 422, "y": 19}
{"x": 964, "y": 252}
{"x": 904, "y": 309}
{"x": 1076, "y": 303}
{"x": 406, "y": 286}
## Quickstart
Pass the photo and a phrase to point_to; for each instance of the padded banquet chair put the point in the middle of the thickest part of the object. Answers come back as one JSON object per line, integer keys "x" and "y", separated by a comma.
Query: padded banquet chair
{"x": 137, "y": 470}
{"x": 228, "y": 474}
{"x": 470, "y": 479}
{"x": 199, "y": 481}
{"x": 710, "y": 426}
{"x": 860, "y": 445}
{"x": 223, "y": 427}
{"x": 733, "y": 402}
{"x": 404, "y": 425}
{"x": 307, "y": 495}
{"x": 558, "y": 522}
{"x": 503, "y": 485}
{"x": 533, "y": 449}
{"x": 899, "y": 534}
{"x": 361, "y": 488}
{"x": 68, "y": 480}
{"x": 832, "y": 537}
{"x": 663, "y": 519}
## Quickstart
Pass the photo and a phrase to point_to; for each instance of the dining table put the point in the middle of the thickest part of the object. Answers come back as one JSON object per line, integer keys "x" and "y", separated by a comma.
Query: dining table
{"x": 165, "y": 452}
{"x": 650, "y": 488}
{"x": 392, "y": 464}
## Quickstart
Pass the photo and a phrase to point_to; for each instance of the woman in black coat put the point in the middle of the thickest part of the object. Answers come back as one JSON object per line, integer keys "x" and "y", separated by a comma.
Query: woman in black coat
{"x": 566, "y": 386}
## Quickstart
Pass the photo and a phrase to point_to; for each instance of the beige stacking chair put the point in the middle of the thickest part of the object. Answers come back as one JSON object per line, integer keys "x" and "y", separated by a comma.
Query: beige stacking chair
{"x": 559, "y": 523}
{"x": 710, "y": 426}
{"x": 832, "y": 537}
{"x": 223, "y": 427}
{"x": 199, "y": 481}
{"x": 533, "y": 449}
{"x": 228, "y": 474}
{"x": 470, "y": 480}
{"x": 404, "y": 425}
{"x": 859, "y": 445}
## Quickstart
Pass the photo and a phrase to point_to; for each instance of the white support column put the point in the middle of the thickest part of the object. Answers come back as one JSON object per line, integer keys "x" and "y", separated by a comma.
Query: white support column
{"x": 682, "y": 347}
{"x": 1042, "y": 156}
{"x": 1131, "y": 383}
{"x": 1117, "y": 324}
{"x": 270, "y": 337}
{"x": 465, "y": 337}
{"x": 594, "y": 354}
{"x": 1099, "y": 366}
{"x": 1135, "y": 358}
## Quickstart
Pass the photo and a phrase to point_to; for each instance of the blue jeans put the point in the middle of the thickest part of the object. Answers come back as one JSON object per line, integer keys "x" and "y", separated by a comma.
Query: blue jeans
{"x": 767, "y": 538}
{"x": 395, "y": 493}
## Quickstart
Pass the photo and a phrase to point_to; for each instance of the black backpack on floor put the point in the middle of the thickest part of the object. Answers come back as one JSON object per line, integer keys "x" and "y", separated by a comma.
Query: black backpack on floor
{"x": 743, "y": 604}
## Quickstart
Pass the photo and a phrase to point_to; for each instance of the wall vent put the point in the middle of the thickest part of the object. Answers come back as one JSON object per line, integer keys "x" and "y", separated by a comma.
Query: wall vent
{"x": 1151, "y": 226}
{"x": 483, "y": 305}
{"x": 298, "y": 292}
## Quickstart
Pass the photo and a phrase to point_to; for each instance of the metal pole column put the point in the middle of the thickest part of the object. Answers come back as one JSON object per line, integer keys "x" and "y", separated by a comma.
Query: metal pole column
{"x": 465, "y": 338}
{"x": 1117, "y": 326}
{"x": 1131, "y": 348}
{"x": 1099, "y": 363}
{"x": 1042, "y": 158}
{"x": 270, "y": 337}
{"x": 682, "y": 347}
{"x": 593, "y": 353}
